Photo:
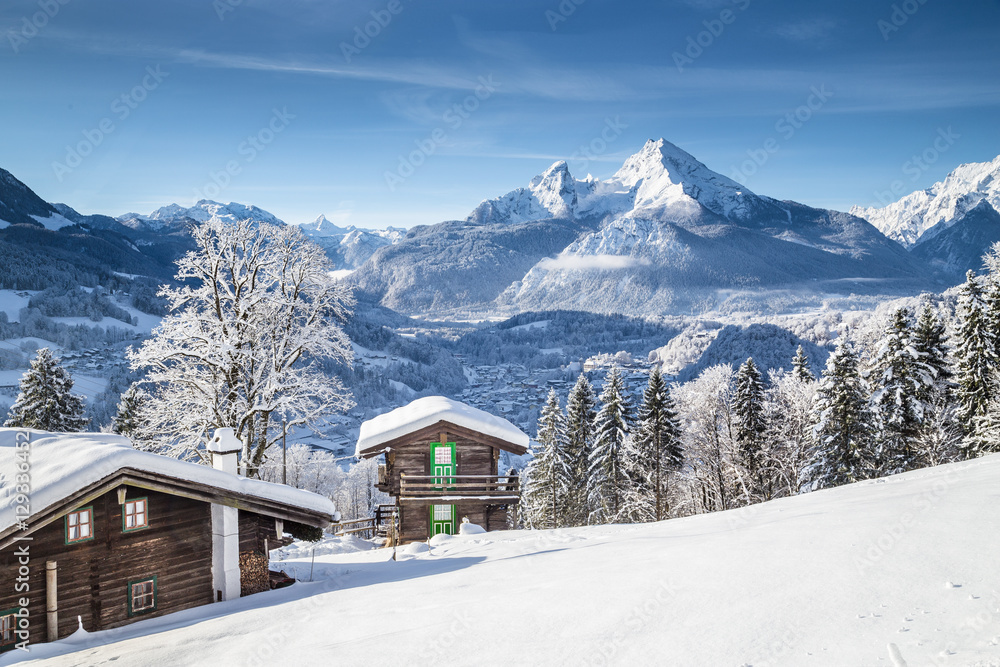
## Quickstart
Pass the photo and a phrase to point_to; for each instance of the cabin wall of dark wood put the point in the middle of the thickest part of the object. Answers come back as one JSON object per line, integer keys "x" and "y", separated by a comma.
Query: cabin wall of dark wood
{"x": 254, "y": 529}
{"x": 497, "y": 517}
{"x": 93, "y": 576}
{"x": 414, "y": 522}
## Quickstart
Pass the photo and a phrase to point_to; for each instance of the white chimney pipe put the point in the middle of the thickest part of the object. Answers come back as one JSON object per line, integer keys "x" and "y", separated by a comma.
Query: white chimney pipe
{"x": 225, "y": 520}
{"x": 223, "y": 447}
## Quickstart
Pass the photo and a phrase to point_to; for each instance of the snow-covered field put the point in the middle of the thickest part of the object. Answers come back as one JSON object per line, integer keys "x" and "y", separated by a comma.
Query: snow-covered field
{"x": 900, "y": 571}
{"x": 11, "y": 302}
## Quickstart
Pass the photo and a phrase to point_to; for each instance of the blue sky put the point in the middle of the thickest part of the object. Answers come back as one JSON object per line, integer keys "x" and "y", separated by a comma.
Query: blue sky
{"x": 259, "y": 101}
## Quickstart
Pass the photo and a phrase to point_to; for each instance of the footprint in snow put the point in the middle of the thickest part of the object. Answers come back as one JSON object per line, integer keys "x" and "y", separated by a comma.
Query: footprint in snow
{"x": 949, "y": 584}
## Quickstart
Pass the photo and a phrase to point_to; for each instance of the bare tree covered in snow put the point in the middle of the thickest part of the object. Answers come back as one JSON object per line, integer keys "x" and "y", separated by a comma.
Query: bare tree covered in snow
{"x": 243, "y": 342}
{"x": 790, "y": 422}
{"x": 705, "y": 408}
{"x": 352, "y": 490}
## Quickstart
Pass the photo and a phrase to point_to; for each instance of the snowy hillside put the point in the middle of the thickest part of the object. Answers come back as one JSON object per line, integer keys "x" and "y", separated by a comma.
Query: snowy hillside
{"x": 663, "y": 235}
{"x": 897, "y": 571}
{"x": 940, "y": 205}
{"x": 20, "y": 205}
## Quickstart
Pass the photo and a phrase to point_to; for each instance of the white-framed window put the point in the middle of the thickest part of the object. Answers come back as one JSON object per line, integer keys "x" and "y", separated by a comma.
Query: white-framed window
{"x": 442, "y": 455}
{"x": 442, "y": 512}
{"x": 135, "y": 514}
{"x": 141, "y": 596}
{"x": 80, "y": 525}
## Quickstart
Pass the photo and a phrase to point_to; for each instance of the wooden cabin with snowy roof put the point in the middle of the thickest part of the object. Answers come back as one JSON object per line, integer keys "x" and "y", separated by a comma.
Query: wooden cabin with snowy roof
{"x": 92, "y": 528}
{"x": 442, "y": 465}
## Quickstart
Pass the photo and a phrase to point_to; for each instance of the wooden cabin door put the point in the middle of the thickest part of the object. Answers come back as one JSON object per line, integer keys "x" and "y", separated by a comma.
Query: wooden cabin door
{"x": 442, "y": 519}
{"x": 443, "y": 464}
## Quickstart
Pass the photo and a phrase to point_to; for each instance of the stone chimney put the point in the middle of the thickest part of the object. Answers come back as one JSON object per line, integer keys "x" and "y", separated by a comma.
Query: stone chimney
{"x": 225, "y": 520}
{"x": 224, "y": 446}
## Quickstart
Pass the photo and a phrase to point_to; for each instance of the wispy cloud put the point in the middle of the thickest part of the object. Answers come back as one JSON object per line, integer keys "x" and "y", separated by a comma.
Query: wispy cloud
{"x": 817, "y": 30}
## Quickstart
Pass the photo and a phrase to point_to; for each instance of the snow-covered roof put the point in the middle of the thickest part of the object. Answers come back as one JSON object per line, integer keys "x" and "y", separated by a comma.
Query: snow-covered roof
{"x": 59, "y": 464}
{"x": 428, "y": 411}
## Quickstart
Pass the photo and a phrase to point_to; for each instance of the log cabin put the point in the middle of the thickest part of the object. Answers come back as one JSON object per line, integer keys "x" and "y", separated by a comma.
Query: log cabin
{"x": 92, "y": 528}
{"x": 441, "y": 466}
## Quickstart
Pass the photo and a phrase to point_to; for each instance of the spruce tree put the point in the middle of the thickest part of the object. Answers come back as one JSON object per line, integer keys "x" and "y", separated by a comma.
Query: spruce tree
{"x": 580, "y": 415}
{"x": 46, "y": 401}
{"x": 655, "y": 452}
{"x": 930, "y": 340}
{"x": 607, "y": 483}
{"x": 549, "y": 473}
{"x": 991, "y": 293}
{"x": 900, "y": 377}
{"x": 127, "y": 420}
{"x": 800, "y": 366}
{"x": 749, "y": 411}
{"x": 977, "y": 364}
{"x": 940, "y": 434}
{"x": 842, "y": 435}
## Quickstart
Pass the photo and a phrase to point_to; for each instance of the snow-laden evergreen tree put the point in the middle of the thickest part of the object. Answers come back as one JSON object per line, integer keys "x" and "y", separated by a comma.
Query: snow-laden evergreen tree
{"x": 549, "y": 475}
{"x": 581, "y": 411}
{"x": 987, "y": 429}
{"x": 977, "y": 364}
{"x": 789, "y": 432}
{"x": 939, "y": 440}
{"x": 843, "y": 432}
{"x": 749, "y": 413}
{"x": 246, "y": 341}
{"x": 930, "y": 340}
{"x": 899, "y": 378}
{"x": 800, "y": 366}
{"x": 654, "y": 453}
{"x": 991, "y": 293}
{"x": 46, "y": 400}
{"x": 127, "y": 419}
{"x": 608, "y": 480}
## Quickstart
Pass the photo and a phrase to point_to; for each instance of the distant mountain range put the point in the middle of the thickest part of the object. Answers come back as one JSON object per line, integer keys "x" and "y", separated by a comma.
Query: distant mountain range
{"x": 950, "y": 224}
{"x": 664, "y": 235}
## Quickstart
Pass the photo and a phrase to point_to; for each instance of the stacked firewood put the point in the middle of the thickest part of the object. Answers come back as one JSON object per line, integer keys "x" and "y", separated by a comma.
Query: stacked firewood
{"x": 253, "y": 572}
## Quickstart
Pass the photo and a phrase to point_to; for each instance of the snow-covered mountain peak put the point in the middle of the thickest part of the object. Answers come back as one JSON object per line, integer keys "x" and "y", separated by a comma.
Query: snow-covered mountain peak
{"x": 662, "y": 174}
{"x": 555, "y": 190}
{"x": 947, "y": 201}
{"x": 322, "y": 226}
{"x": 551, "y": 194}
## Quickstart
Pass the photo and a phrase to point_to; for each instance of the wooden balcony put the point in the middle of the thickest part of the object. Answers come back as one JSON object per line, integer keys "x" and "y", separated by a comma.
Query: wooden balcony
{"x": 500, "y": 489}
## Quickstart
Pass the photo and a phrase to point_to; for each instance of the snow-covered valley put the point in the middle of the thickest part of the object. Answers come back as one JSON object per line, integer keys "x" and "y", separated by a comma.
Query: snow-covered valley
{"x": 896, "y": 571}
